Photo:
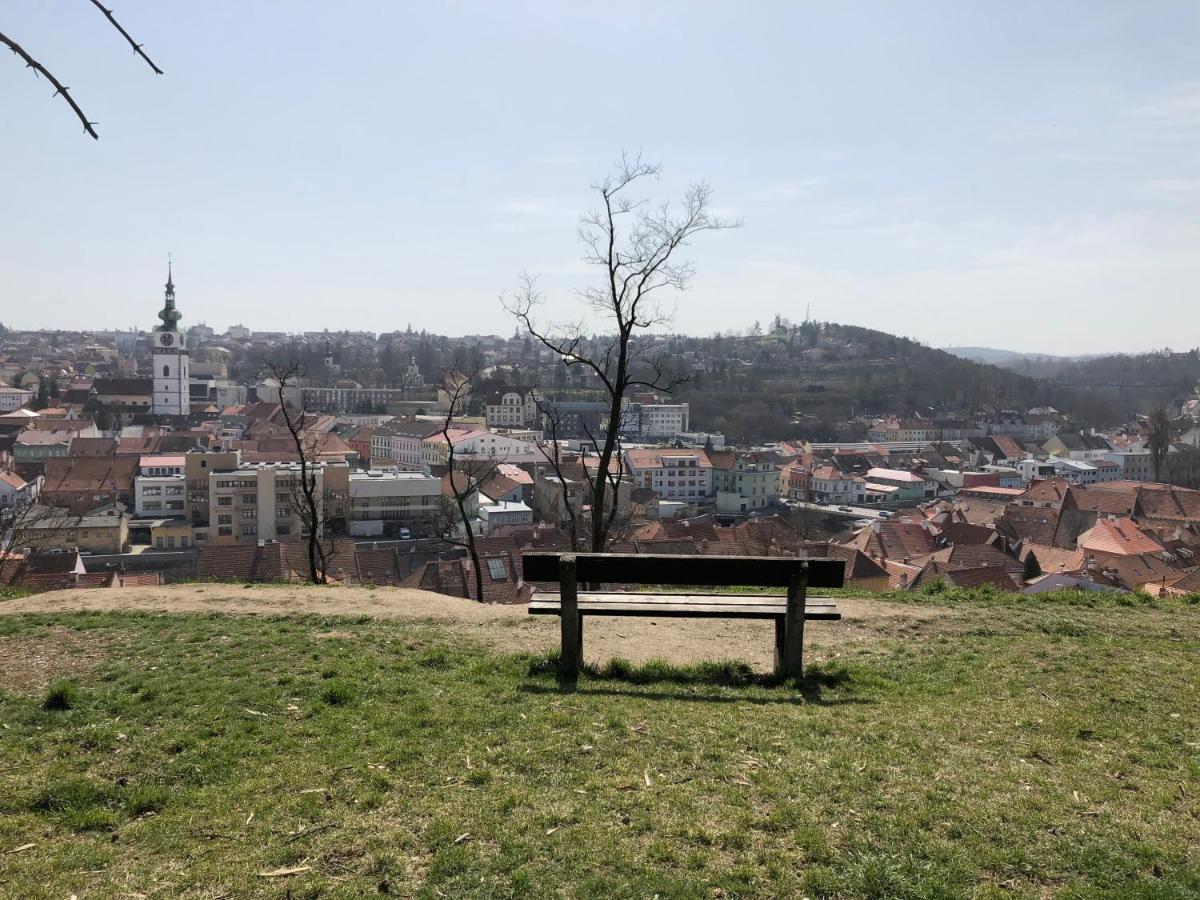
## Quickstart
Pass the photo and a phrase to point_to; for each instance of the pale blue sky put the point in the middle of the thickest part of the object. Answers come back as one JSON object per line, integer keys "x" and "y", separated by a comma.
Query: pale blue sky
{"x": 1021, "y": 175}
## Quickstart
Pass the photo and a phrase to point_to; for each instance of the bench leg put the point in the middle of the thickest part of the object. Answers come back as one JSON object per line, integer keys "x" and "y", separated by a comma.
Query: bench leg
{"x": 793, "y": 654}
{"x": 780, "y": 645}
{"x": 570, "y": 622}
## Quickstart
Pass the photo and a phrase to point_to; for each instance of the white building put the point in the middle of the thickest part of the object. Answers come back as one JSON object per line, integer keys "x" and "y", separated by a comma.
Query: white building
{"x": 15, "y": 490}
{"x": 13, "y": 398}
{"x": 473, "y": 442}
{"x": 831, "y": 485}
{"x": 383, "y": 502}
{"x": 1032, "y": 470}
{"x": 684, "y": 475}
{"x": 493, "y": 515}
{"x": 172, "y": 383}
{"x": 159, "y": 496}
{"x": 159, "y": 487}
{"x": 512, "y": 409}
{"x": 1076, "y": 471}
{"x": 663, "y": 420}
{"x": 1136, "y": 465}
{"x": 399, "y": 443}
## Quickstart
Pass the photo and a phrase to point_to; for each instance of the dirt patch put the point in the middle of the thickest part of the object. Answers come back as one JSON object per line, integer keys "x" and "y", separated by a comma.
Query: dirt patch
{"x": 29, "y": 664}
{"x": 510, "y": 628}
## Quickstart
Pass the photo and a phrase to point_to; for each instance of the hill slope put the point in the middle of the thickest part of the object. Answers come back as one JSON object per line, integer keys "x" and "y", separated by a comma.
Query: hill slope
{"x": 1044, "y": 749}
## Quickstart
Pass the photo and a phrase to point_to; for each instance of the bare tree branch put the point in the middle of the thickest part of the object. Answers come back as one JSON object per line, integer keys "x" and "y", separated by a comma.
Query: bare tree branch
{"x": 137, "y": 48}
{"x": 59, "y": 87}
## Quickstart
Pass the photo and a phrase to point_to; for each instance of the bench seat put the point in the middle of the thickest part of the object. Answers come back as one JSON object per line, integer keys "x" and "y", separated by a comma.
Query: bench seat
{"x": 690, "y": 606}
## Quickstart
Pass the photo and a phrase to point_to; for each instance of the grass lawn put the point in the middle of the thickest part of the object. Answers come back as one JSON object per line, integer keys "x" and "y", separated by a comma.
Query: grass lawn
{"x": 1044, "y": 749}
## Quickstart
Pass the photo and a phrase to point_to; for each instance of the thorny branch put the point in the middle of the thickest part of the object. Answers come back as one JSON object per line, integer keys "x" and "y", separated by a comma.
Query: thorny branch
{"x": 137, "y": 48}
{"x": 59, "y": 87}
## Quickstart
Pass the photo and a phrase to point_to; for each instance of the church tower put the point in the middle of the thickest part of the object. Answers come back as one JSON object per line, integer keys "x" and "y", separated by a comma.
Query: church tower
{"x": 171, "y": 381}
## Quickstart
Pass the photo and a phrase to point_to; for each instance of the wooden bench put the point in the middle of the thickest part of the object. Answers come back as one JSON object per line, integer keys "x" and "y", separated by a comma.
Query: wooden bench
{"x": 788, "y": 612}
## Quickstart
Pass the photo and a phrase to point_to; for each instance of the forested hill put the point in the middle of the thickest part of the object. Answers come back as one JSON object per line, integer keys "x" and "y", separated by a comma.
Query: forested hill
{"x": 801, "y": 381}
{"x": 1108, "y": 387}
{"x": 804, "y": 380}
{"x": 1112, "y": 386}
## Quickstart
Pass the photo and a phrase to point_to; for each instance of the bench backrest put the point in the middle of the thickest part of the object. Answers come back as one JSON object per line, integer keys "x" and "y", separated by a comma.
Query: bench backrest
{"x": 714, "y": 571}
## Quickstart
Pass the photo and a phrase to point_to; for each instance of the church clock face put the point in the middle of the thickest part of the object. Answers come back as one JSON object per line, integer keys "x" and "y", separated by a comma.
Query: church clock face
{"x": 166, "y": 338}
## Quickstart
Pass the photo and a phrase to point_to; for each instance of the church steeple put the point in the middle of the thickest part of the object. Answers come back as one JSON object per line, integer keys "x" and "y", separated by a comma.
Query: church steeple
{"x": 169, "y": 314}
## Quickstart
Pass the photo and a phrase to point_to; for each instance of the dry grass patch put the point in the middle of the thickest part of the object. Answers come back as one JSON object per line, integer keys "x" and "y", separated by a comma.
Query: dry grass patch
{"x": 28, "y": 663}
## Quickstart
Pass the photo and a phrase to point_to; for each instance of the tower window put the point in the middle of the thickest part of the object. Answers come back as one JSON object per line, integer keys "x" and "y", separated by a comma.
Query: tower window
{"x": 166, "y": 371}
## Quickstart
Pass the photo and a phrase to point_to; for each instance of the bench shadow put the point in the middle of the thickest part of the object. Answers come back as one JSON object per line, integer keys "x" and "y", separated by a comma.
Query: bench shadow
{"x": 811, "y": 689}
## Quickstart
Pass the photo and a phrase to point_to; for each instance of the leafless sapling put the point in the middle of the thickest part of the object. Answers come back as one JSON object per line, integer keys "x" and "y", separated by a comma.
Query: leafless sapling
{"x": 308, "y": 498}
{"x": 464, "y": 475}
{"x": 635, "y": 246}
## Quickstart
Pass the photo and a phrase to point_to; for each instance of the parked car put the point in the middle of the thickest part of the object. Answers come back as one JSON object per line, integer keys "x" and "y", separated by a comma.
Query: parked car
{"x": 884, "y": 514}
{"x": 405, "y": 534}
{"x": 845, "y": 509}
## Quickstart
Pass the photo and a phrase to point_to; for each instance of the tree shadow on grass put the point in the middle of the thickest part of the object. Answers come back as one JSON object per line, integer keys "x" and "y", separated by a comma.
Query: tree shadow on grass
{"x": 812, "y": 688}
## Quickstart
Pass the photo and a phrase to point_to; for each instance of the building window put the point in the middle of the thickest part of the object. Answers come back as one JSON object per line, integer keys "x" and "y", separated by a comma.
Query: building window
{"x": 249, "y": 531}
{"x": 224, "y": 501}
{"x": 166, "y": 371}
{"x": 496, "y": 569}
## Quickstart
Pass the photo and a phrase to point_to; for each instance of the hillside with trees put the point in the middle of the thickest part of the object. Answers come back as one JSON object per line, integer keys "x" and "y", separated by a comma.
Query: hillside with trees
{"x": 804, "y": 380}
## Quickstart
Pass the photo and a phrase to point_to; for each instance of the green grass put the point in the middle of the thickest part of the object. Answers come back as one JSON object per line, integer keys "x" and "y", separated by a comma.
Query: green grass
{"x": 1038, "y": 750}
{"x": 12, "y": 592}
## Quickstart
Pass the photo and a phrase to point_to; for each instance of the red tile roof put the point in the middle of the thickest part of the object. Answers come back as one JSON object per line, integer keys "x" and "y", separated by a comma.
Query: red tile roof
{"x": 1118, "y": 537}
{"x": 1050, "y": 490}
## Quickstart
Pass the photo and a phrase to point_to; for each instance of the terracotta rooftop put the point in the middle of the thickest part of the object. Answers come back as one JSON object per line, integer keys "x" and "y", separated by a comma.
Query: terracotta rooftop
{"x": 1117, "y": 537}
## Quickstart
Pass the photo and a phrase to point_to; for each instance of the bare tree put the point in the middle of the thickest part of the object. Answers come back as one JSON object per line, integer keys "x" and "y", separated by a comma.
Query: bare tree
{"x": 1159, "y": 440}
{"x": 27, "y": 530}
{"x": 1182, "y": 469}
{"x": 59, "y": 87}
{"x": 307, "y": 499}
{"x": 635, "y": 246}
{"x": 807, "y": 522}
{"x": 474, "y": 472}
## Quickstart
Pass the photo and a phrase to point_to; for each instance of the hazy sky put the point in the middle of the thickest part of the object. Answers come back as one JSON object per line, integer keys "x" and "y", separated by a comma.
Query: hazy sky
{"x": 1019, "y": 175}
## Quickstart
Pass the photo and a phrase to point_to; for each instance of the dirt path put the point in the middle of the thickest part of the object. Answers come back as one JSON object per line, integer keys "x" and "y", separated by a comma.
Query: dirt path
{"x": 510, "y": 628}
